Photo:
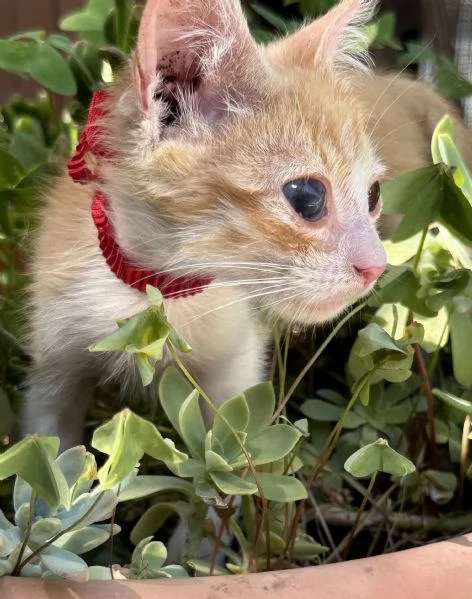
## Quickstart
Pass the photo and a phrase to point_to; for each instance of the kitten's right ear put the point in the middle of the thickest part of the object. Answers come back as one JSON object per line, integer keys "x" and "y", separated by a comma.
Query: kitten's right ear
{"x": 336, "y": 38}
{"x": 194, "y": 47}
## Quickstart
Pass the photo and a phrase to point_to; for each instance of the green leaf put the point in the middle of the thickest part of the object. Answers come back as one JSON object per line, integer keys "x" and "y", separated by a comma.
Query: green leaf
{"x": 125, "y": 439}
{"x": 11, "y": 170}
{"x": 462, "y": 405}
{"x": 378, "y": 457}
{"x": 402, "y": 286}
{"x": 173, "y": 391}
{"x": 373, "y": 338}
{"x": 147, "y": 485}
{"x": 274, "y": 443}
{"x": 283, "y": 489}
{"x": 236, "y": 412}
{"x": 7, "y": 415}
{"x": 72, "y": 463}
{"x": 155, "y": 517}
{"x": 147, "y": 560}
{"x": 64, "y": 564}
{"x": 87, "y": 538}
{"x": 43, "y": 530}
{"x": 461, "y": 346}
{"x": 272, "y": 17}
{"x": 323, "y": 411}
{"x": 233, "y": 485}
{"x": 418, "y": 196}
{"x": 33, "y": 459}
{"x": 191, "y": 426}
{"x": 449, "y": 81}
{"x": 16, "y": 55}
{"x": 49, "y": 69}
{"x": 216, "y": 463}
{"x": 260, "y": 401}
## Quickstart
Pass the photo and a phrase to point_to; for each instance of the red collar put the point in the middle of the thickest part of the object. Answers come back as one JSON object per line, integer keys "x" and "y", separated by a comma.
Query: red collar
{"x": 138, "y": 278}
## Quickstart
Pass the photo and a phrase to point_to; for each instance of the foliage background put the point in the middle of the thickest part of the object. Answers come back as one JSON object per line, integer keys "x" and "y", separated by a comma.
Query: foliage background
{"x": 391, "y": 380}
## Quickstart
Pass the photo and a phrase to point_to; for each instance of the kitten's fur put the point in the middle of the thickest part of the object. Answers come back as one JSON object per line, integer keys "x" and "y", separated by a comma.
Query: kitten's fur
{"x": 203, "y": 196}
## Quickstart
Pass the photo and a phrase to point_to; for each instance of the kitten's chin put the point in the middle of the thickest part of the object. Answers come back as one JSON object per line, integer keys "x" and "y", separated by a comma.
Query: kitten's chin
{"x": 310, "y": 313}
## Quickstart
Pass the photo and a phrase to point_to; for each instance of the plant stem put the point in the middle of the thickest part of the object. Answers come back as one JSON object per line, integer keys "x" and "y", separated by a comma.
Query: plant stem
{"x": 315, "y": 357}
{"x": 420, "y": 250}
{"x": 422, "y": 368}
{"x": 365, "y": 499}
{"x": 24, "y": 544}
{"x": 430, "y": 402}
{"x": 463, "y": 459}
{"x": 321, "y": 462}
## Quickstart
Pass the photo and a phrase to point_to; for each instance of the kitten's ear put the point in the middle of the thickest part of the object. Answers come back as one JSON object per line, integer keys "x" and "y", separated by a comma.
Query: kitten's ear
{"x": 335, "y": 38}
{"x": 184, "y": 43}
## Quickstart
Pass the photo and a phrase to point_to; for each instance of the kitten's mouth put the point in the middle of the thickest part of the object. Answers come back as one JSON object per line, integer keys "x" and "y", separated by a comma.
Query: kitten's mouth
{"x": 299, "y": 310}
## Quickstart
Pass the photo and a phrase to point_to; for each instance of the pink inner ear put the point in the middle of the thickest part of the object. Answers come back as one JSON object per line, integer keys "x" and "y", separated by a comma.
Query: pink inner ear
{"x": 321, "y": 40}
{"x": 179, "y": 38}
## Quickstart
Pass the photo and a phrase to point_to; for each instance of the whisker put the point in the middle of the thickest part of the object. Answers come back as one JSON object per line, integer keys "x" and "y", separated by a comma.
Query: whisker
{"x": 397, "y": 75}
{"x": 274, "y": 289}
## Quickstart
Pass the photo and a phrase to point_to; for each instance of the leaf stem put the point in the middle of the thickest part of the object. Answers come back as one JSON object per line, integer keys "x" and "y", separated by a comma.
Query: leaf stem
{"x": 427, "y": 390}
{"x": 314, "y": 358}
{"x": 321, "y": 462}
{"x": 18, "y": 566}
{"x": 365, "y": 499}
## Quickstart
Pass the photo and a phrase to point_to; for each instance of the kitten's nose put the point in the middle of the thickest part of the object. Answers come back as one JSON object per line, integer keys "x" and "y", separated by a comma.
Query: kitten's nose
{"x": 370, "y": 274}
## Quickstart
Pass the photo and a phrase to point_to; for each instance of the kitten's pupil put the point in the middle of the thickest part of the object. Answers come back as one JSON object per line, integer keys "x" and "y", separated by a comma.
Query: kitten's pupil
{"x": 307, "y": 197}
{"x": 374, "y": 196}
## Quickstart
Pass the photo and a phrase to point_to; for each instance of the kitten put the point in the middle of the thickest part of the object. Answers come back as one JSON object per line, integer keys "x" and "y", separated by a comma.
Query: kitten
{"x": 248, "y": 173}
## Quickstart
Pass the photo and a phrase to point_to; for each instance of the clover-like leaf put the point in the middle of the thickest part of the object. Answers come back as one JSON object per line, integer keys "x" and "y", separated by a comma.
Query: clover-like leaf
{"x": 33, "y": 459}
{"x": 378, "y": 457}
{"x": 125, "y": 439}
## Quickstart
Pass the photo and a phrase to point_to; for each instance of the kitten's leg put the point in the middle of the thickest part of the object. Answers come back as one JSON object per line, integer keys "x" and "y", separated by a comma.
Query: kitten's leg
{"x": 56, "y": 401}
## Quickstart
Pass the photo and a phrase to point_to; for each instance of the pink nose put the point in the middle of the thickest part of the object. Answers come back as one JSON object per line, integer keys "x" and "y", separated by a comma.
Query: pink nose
{"x": 370, "y": 274}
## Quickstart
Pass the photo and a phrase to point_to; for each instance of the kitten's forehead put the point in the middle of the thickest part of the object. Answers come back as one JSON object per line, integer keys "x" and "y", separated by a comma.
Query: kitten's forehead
{"x": 306, "y": 125}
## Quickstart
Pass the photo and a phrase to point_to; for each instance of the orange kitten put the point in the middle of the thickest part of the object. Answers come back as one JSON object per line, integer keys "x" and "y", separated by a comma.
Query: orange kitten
{"x": 248, "y": 173}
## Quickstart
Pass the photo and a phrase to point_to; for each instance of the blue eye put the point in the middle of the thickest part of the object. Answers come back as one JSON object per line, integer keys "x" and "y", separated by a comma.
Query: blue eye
{"x": 307, "y": 197}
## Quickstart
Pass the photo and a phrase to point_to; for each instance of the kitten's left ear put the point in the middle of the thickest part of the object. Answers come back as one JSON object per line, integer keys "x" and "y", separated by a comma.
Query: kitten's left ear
{"x": 335, "y": 38}
{"x": 185, "y": 43}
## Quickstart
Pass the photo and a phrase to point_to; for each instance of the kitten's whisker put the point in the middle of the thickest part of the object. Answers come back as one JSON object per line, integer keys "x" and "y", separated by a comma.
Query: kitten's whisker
{"x": 245, "y": 298}
{"x": 397, "y": 75}
{"x": 406, "y": 90}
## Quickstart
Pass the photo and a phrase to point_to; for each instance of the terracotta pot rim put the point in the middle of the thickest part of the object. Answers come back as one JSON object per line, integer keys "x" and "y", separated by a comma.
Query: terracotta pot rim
{"x": 434, "y": 571}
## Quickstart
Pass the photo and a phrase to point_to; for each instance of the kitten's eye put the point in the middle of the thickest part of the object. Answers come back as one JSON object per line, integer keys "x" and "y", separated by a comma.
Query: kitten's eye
{"x": 374, "y": 196}
{"x": 307, "y": 197}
